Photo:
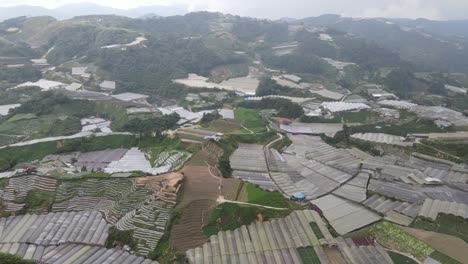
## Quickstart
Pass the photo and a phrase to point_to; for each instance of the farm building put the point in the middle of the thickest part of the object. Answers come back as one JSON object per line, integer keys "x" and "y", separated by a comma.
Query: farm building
{"x": 292, "y": 78}
{"x": 86, "y": 227}
{"x": 382, "y": 138}
{"x": 131, "y": 97}
{"x": 74, "y": 86}
{"x": 456, "y": 89}
{"x": 226, "y": 113}
{"x": 397, "y": 104}
{"x": 249, "y": 157}
{"x": 80, "y": 71}
{"x": 44, "y": 84}
{"x": 275, "y": 241}
{"x": 5, "y": 109}
{"x": 262, "y": 180}
{"x": 432, "y": 208}
{"x": 285, "y": 48}
{"x": 343, "y": 215}
{"x": 337, "y": 107}
{"x": 72, "y": 253}
{"x": 329, "y": 129}
{"x": 107, "y": 86}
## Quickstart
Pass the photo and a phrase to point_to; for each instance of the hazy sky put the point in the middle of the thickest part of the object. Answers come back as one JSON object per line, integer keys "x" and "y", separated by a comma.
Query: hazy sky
{"x": 433, "y": 9}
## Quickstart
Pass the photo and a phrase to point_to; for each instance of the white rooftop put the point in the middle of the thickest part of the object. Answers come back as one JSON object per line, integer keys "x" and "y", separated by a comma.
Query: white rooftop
{"x": 79, "y": 70}
{"x": 336, "y": 107}
{"x": 397, "y": 104}
{"x": 43, "y": 84}
{"x": 5, "y": 109}
{"x": 293, "y": 78}
{"x": 109, "y": 85}
{"x": 73, "y": 86}
{"x": 129, "y": 96}
{"x": 227, "y": 113}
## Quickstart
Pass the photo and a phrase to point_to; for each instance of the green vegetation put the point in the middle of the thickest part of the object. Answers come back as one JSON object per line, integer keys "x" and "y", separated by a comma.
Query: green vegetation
{"x": 250, "y": 119}
{"x": 308, "y": 255}
{"x": 256, "y": 195}
{"x": 442, "y": 258}
{"x": 19, "y": 117}
{"x": 229, "y": 216}
{"x": 209, "y": 117}
{"x": 151, "y": 126}
{"x": 458, "y": 149}
{"x": 445, "y": 224}
{"x": 119, "y": 238}
{"x": 389, "y": 235}
{"x": 38, "y": 201}
{"x": 316, "y": 230}
{"x": 401, "y": 259}
{"x": 285, "y": 107}
{"x": 13, "y": 259}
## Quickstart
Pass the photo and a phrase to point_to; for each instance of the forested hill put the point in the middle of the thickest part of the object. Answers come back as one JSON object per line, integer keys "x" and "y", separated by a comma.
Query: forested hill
{"x": 430, "y": 45}
{"x": 221, "y": 46}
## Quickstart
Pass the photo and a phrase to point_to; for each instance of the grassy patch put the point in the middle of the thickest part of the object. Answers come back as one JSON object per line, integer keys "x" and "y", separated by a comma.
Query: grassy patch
{"x": 250, "y": 119}
{"x": 19, "y": 117}
{"x": 393, "y": 237}
{"x": 445, "y": 224}
{"x": 317, "y": 230}
{"x": 259, "y": 196}
{"x": 458, "y": 149}
{"x": 442, "y": 258}
{"x": 38, "y": 200}
{"x": 401, "y": 259}
{"x": 231, "y": 216}
{"x": 308, "y": 255}
{"x": 13, "y": 259}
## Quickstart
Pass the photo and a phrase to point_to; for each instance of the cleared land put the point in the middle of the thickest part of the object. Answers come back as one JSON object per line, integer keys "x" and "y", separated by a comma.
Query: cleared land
{"x": 449, "y": 245}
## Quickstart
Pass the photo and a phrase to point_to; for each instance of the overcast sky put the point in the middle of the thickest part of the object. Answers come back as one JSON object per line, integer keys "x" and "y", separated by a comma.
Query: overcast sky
{"x": 432, "y": 9}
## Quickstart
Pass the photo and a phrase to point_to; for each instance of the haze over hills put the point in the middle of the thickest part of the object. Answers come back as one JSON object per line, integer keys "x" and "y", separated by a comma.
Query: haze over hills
{"x": 82, "y": 9}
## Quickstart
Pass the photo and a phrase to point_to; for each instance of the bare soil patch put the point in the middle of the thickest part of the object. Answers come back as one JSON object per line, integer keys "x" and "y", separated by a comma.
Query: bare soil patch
{"x": 449, "y": 245}
{"x": 334, "y": 255}
{"x": 187, "y": 233}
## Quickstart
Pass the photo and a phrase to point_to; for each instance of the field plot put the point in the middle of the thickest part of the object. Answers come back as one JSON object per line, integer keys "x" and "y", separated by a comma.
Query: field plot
{"x": 381, "y": 138}
{"x": 402, "y": 213}
{"x": 360, "y": 252}
{"x": 273, "y": 241}
{"x": 140, "y": 204}
{"x": 72, "y": 253}
{"x": 344, "y": 216}
{"x": 86, "y": 227}
{"x": 449, "y": 245}
{"x": 249, "y": 119}
{"x": 249, "y": 157}
{"x": 261, "y": 179}
{"x": 18, "y": 189}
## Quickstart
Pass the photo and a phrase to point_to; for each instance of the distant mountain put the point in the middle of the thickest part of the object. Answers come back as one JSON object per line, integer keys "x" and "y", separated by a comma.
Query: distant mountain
{"x": 430, "y": 45}
{"x": 83, "y": 9}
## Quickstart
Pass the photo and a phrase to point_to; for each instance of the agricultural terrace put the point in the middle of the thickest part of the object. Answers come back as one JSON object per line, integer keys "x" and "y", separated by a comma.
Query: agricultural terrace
{"x": 141, "y": 204}
{"x": 198, "y": 197}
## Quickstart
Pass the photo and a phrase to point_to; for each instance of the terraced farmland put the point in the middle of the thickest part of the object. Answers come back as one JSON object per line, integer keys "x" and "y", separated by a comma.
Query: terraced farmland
{"x": 140, "y": 204}
{"x": 17, "y": 189}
